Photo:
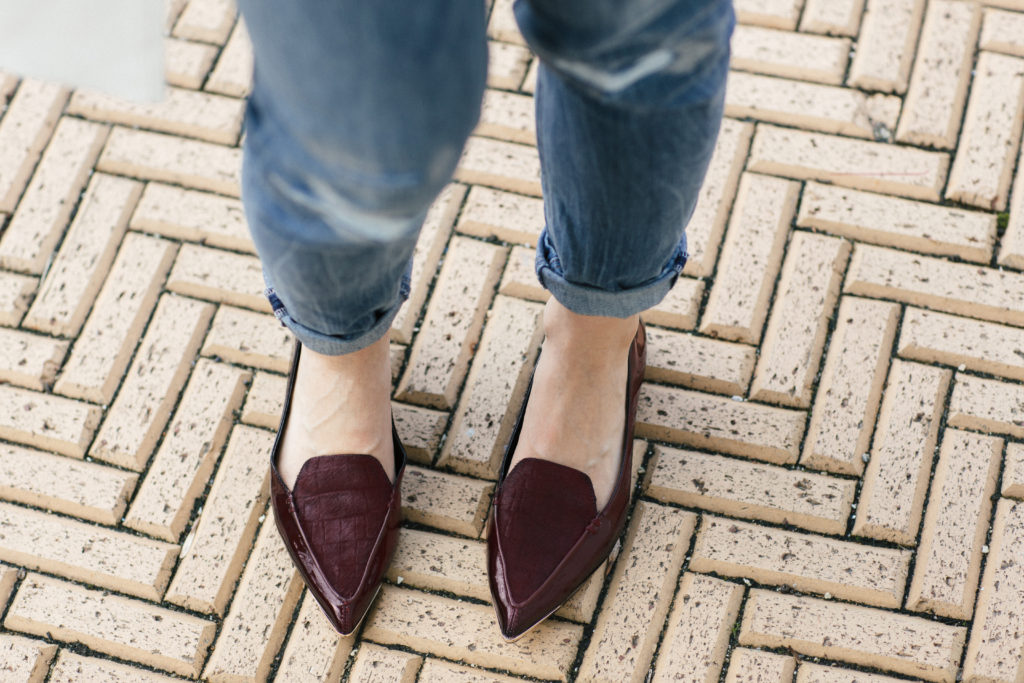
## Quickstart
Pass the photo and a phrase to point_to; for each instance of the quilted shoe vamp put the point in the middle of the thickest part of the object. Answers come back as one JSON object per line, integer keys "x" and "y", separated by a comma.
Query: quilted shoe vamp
{"x": 341, "y": 502}
{"x": 544, "y": 509}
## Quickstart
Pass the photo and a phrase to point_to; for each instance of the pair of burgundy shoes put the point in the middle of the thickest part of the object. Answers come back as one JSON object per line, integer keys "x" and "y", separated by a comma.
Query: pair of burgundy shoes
{"x": 546, "y": 536}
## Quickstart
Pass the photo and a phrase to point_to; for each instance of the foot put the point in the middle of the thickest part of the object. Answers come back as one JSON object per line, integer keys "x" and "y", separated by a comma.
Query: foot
{"x": 340, "y": 405}
{"x": 576, "y": 412}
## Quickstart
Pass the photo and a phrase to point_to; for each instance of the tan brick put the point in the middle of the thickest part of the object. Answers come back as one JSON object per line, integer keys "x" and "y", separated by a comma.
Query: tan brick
{"x": 233, "y": 73}
{"x": 434, "y": 235}
{"x": 775, "y": 13}
{"x": 896, "y": 477}
{"x": 181, "y": 111}
{"x": 445, "y": 501}
{"x": 972, "y": 344}
{"x": 218, "y": 544}
{"x": 315, "y": 653}
{"x": 73, "y": 487}
{"x": 1003, "y": 31}
{"x": 520, "y": 279}
{"x": 895, "y": 222}
{"x": 85, "y": 552}
{"x": 860, "y": 164}
{"x": 1013, "y": 471}
{"x": 440, "y": 355}
{"x": 697, "y": 637}
{"x": 72, "y": 668}
{"x": 987, "y": 405}
{"x": 173, "y": 10}
{"x": 181, "y": 468}
{"x": 834, "y": 17}
{"x": 817, "y": 673}
{"x": 811, "y": 564}
{"x": 440, "y": 563}
{"x": 638, "y": 599}
{"x": 738, "y": 303}
{"x": 844, "y": 411}
{"x": 990, "y": 138}
{"x": 137, "y": 417}
{"x": 101, "y": 353}
{"x": 507, "y": 116}
{"x": 679, "y": 307}
{"x": 15, "y": 293}
{"x": 698, "y": 362}
{"x": 502, "y": 24}
{"x": 727, "y": 485}
{"x": 186, "y": 63}
{"x": 48, "y": 422}
{"x": 30, "y": 360}
{"x": 704, "y": 231}
{"x": 396, "y": 354}
{"x": 265, "y": 400}
{"x": 439, "y": 671}
{"x": 43, "y": 212}
{"x": 509, "y": 217}
{"x": 197, "y": 216}
{"x": 8, "y": 577}
{"x": 79, "y": 268}
{"x": 254, "y": 629}
{"x": 996, "y": 650}
{"x": 803, "y": 56}
{"x": 806, "y": 297}
{"x": 121, "y": 627}
{"x": 719, "y": 423}
{"x": 885, "y": 47}
{"x": 25, "y": 659}
{"x": 851, "y": 633}
{"x": 494, "y": 390}
{"x": 530, "y": 82}
{"x": 469, "y": 633}
{"x": 503, "y": 165}
{"x": 827, "y": 108}
{"x": 959, "y": 288}
{"x": 249, "y": 338}
{"x": 1011, "y": 254}
{"x": 506, "y": 65}
{"x": 756, "y": 666}
{"x": 950, "y": 551}
{"x": 167, "y": 158}
{"x": 935, "y": 100}
{"x": 27, "y": 124}
{"x": 206, "y": 20}
{"x": 219, "y": 275}
{"x": 376, "y": 664}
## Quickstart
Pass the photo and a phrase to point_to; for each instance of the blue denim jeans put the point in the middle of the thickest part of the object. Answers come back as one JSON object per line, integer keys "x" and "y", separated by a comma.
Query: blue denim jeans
{"x": 360, "y": 110}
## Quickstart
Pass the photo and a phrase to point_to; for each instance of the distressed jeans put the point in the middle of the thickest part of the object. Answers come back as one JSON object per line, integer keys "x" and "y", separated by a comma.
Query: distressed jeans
{"x": 360, "y": 110}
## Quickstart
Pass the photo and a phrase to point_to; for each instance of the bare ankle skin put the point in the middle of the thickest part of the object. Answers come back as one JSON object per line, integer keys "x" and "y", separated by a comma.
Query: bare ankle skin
{"x": 575, "y": 414}
{"x": 341, "y": 405}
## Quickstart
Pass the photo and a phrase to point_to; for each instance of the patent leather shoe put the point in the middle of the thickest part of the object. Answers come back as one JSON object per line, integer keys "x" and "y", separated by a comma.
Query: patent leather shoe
{"x": 339, "y": 522}
{"x": 546, "y": 536}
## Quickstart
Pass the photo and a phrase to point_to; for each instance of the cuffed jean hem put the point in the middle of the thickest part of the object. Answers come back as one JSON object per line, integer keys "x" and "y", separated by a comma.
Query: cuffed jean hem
{"x": 333, "y": 345}
{"x": 588, "y": 300}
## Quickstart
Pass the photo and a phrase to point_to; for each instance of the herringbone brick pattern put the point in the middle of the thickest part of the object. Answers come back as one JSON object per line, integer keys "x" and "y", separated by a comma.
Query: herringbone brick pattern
{"x": 830, "y": 449}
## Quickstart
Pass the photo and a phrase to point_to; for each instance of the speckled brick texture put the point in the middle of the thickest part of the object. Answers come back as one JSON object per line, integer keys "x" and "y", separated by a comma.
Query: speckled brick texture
{"x": 829, "y": 449}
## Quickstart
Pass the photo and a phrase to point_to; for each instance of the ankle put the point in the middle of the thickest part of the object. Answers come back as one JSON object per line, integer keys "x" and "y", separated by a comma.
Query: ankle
{"x": 592, "y": 335}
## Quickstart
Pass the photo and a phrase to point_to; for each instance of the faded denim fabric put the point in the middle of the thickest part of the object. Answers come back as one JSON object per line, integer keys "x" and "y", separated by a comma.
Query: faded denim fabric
{"x": 360, "y": 111}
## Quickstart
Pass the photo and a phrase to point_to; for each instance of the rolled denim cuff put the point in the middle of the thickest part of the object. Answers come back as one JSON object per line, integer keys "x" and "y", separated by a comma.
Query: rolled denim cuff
{"x": 337, "y": 345}
{"x": 590, "y": 300}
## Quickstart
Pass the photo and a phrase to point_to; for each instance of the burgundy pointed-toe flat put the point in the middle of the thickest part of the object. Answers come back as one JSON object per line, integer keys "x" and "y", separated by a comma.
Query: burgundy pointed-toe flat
{"x": 339, "y": 523}
{"x": 546, "y": 535}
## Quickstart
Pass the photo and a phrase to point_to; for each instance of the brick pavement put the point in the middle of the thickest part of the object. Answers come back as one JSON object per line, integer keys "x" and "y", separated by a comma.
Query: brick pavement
{"x": 830, "y": 449}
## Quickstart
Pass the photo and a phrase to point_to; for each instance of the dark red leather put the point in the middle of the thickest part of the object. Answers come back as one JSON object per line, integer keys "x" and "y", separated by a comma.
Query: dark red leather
{"x": 340, "y": 524}
{"x": 546, "y": 536}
